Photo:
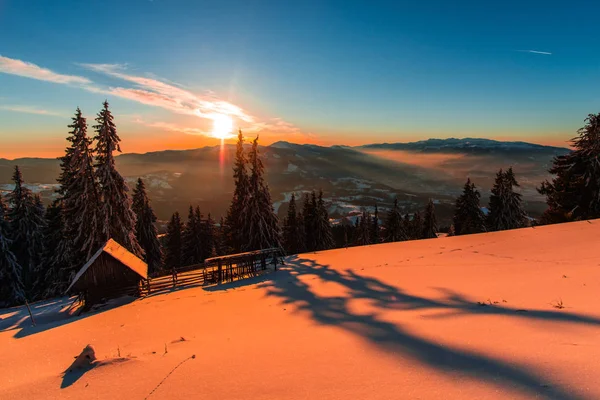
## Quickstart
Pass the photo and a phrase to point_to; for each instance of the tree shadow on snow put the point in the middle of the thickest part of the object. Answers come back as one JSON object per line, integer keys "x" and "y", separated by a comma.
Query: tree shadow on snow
{"x": 50, "y": 314}
{"x": 392, "y": 338}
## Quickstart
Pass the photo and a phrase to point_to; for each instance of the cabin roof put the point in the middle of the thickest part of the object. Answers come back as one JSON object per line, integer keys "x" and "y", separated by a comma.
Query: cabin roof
{"x": 119, "y": 253}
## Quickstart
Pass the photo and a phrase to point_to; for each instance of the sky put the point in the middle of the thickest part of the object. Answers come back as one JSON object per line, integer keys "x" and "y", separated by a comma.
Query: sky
{"x": 185, "y": 74}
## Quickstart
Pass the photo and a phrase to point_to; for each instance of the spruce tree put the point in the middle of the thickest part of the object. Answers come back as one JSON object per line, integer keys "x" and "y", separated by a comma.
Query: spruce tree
{"x": 12, "y": 292}
{"x": 374, "y": 230}
{"x": 80, "y": 202}
{"x": 173, "y": 243}
{"x": 393, "y": 226}
{"x": 407, "y": 225}
{"x": 235, "y": 221}
{"x": 323, "y": 234}
{"x": 292, "y": 233}
{"x": 262, "y": 224}
{"x": 309, "y": 220}
{"x": 468, "y": 217}
{"x": 25, "y": 229}
{"x": 191, "y": 238}
{"x": 208, "y": 237}
{"x": 220, "y": 239}
{"x": 363, "y": 230}
{"x": 430, "y": 228}
{"x": 117, "y": 219}
{"x": 416, "y": 225}
{"x": 56, "y": 255}
{"x": 505, "y": 207}
{"x": 145, "y": 228}
{"x": 574, "y": 192}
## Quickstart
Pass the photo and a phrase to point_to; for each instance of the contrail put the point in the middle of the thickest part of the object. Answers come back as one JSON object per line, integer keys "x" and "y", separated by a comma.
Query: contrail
{"x": 536, "y": 52}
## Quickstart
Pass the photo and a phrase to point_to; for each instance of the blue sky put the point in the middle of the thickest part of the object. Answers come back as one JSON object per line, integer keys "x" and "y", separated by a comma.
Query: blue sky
{"x": 324, "y": 72}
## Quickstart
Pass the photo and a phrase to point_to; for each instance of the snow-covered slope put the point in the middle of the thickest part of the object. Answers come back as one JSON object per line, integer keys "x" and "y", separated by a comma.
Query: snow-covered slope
{"x": 452, "y": 318}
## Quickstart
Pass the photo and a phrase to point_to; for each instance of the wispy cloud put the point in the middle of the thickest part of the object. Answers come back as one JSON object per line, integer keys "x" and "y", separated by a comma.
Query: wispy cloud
{"x": 153, "y": 91}
{"x": 172, "y": 127}
{"x": 29, "y": 70}
{"x": 546, "y": 53}
{"x": 30, "y": 110}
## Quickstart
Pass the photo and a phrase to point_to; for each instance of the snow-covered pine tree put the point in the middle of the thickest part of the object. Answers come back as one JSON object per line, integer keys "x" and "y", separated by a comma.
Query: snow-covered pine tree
{"x": 56, "y": 259}
{"x": 363, "y": 231}
{"x": 173, "y": 243}
{"x": 518, "y": 217}
{"x": 374, "y": 230}
{"x": 430, "y": 228}
{"x": 468, "y": 217}
{"x": 393, "y": 226}
{"x": 12, "y": 291}
{"x": 145, "y": 228}
{"x": 261, "y": 221}
{"x": 235, "y": 220}
{"x": 292, "y": 233}
{"x": 323, "y": 234}
{"x": 574, "y": 192}
{"x": 208, "y": 237}
{"x": 26, "y": 225}
{"x": 191, "y": 239}
{"x": 39, "y": 282}
{"x": 505, "y": 207}
{"x": 309, "y": 217}
{"x": 83, "y": 233}
{"x": 117, "y": 219}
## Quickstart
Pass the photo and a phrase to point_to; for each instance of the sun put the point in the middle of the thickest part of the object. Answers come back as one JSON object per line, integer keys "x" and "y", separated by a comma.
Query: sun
{"x": 222, "y": 126}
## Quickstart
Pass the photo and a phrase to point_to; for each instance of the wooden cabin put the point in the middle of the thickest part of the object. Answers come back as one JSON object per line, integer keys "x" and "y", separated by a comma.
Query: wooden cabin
{"x": 111, "y": 272}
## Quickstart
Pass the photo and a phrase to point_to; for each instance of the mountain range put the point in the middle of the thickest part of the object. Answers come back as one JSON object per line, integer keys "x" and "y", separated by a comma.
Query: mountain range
{"x": 351, "y": 177}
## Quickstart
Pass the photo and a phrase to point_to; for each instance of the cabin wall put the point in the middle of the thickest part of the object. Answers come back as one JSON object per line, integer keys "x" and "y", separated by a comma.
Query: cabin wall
{"x": 107, "y": 273}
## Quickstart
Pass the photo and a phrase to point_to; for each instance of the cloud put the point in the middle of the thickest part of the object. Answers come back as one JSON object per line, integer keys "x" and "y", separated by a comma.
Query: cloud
{"x": 536, "y": 52}
{"x": 29, "y": 70}
{"x": 155, "y": 92}
{"x": 30, "y": 110}
{"x": 173, "y": 127}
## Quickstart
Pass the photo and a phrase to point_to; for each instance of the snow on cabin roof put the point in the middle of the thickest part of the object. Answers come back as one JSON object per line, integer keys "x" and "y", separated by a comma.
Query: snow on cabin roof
{"x": 121, "y": 254}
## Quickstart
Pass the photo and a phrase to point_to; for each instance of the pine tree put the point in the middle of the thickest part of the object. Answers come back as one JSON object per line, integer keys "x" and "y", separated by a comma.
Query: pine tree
{"x": 220, "y": 239}
{"x": 117, "y": 219}
{"x": 261, "y": 221}
{"x": 235, "y": 221}
{"x": 56, "y": 258}
{"x": 292, "y": 232}
{"x": 363, "y": 230}
{"x": 505, "y": 207}
{"x": 25, "y": 230}
{"x": 468, "y": 217}
{"x": 408, "y": 227}
{"x": 574, "y": 192}
{"x": 191, "y": 238}
{"x": 416, "y": 225}
{"x": 145, "y": 228}
{"x": 173, "y": 243}
{"x": 393, "y": 226}
{"x": 430, "y": 228}
{"x": 12, "y": 291}
{"x": 81, "y": 202}
{"x": 374, "y": 230}
{"x": 309, "y": 220}
{"x": 323, "y": 234}
{"x": 208, "y": 237}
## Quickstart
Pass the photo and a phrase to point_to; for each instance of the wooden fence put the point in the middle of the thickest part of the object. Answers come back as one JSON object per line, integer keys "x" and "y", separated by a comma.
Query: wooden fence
{"x": 214, "y": 270}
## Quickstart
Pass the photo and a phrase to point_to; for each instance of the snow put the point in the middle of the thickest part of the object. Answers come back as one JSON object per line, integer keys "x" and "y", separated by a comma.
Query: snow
{"x": 34, "y": 187}
{"x": 292, "y": 168}
{"x": 398, "y": 320}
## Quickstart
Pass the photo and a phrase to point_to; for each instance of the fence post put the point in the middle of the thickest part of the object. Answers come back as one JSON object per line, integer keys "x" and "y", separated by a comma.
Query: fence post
{"x": 220, "y": 271}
